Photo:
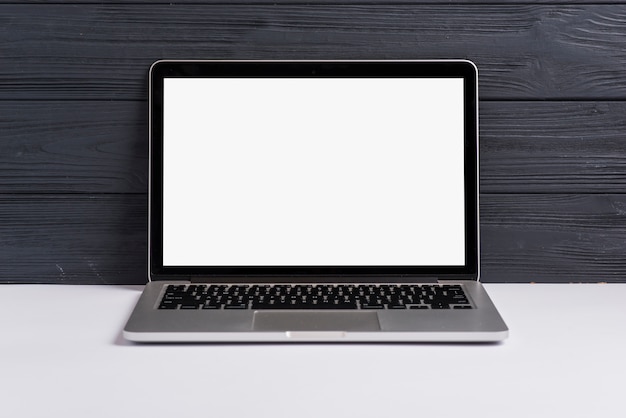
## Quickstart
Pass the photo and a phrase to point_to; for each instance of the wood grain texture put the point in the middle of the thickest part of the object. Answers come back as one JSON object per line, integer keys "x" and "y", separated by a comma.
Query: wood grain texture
{"x": 102, "y": 147}
{"x": 73, "y": 147}
{"x": 561, "y": 238}
{"x": 102, "y": 239}
{"x": 553, "y": 147}
{"x": 59, "y": 51}
{"x": 77, "y": 239}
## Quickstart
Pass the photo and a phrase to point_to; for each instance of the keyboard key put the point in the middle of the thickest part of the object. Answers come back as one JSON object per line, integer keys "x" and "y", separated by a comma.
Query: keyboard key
{"x": 194, "y": 306}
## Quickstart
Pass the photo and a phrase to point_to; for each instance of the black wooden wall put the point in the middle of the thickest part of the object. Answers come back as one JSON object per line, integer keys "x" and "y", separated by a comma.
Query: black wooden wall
{"x": 73, "y": 115}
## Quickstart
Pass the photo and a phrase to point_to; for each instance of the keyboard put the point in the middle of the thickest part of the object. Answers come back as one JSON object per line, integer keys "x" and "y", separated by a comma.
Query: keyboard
{"x": 288, "y": 296}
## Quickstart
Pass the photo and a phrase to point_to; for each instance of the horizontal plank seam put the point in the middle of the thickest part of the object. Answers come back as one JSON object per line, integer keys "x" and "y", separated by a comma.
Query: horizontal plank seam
{"x": 482, "y": 195}
{"x": 327, "y": 3}
{"x": 84, "y": 194}
{"x": 482, "y": 100}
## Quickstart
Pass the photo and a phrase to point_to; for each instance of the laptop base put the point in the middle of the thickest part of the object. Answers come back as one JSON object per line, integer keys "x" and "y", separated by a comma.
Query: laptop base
{"x": 480, "y": 324}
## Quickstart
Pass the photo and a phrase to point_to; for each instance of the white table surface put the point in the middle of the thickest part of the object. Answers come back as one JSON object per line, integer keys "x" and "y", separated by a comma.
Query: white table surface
{"x": 62, "y": 355}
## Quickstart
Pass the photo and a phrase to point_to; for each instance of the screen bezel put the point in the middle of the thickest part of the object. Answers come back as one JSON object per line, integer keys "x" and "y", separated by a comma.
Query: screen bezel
{"x": 335, "y": 69}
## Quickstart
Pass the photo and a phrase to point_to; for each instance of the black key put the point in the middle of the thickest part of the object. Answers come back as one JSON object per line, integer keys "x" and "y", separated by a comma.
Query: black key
{"x": 213, "y": 301}
{"x": 168, "y": 306}
{"x": 396, "y": 306}
{"x": 236, "y": 306}
{"x": 169, "y": 302}
{"x": 418, "y": 307}
{"x": 367, "y": 306}
{"x": 462, "y": 307}
{"x": 193, "y": 288}
{"x": 333, "y": 306}
{"x": 210, "y": 306}
{"x": 270, "y": 306}
{"x": 194, "y": 306}
{"x": 440, "y": 306}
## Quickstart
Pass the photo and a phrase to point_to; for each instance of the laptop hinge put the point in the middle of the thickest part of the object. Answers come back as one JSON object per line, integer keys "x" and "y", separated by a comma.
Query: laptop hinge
{"x": 314, "y": 279}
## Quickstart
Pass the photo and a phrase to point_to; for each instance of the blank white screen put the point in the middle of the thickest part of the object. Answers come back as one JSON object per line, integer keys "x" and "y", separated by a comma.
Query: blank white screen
{"x": 313, "y": 172}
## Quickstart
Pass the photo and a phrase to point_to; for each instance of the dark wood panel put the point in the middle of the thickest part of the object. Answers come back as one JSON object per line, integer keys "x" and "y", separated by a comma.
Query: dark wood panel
{"x": 553, "y": 147}
{"x": 73, "y": 239}
{"x": 103, "y": 51}
{"x": 74, "y": 153}
{"x": 102, "y": 239}
{"x": 71, "y": 146}
{"x": 553, "y": 238}
{"x": 102, "y": 147}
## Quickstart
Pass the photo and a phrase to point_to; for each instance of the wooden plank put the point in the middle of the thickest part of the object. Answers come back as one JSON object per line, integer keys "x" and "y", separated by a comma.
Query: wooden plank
{"x": 553, "y": 238}
{"x": 60, "y": 51}
{"x": 102, "y": 147}
{"x": 74, "y": 147}
{"x": 102, "y": 239}
{"x": 553, "y": 147}
{"x": 73, "y": 239}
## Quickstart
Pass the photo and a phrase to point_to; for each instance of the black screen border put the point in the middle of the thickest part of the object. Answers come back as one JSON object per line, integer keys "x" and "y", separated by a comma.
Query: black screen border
{"x": 335, "y": 69}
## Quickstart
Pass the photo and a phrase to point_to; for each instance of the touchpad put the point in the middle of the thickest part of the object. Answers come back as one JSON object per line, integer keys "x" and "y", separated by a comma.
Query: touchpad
{"x": 315, "y": 321}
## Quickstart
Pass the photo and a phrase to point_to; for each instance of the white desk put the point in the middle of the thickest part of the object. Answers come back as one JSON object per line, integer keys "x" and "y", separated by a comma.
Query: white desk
{"x": 62, "y": 355}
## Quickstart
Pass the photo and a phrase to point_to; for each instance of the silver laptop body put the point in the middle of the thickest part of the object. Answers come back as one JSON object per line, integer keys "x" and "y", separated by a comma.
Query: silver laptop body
{"x": 294, "y": 201}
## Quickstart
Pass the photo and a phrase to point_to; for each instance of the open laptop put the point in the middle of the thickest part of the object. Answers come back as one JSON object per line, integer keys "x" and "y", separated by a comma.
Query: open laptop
{"x": 313, "y": 201}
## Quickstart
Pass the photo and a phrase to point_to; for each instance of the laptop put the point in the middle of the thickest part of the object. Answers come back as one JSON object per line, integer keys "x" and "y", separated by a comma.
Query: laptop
{"x": 299, "y": 201}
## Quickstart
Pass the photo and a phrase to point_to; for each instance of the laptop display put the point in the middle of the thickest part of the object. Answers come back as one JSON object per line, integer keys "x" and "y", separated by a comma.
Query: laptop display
{"x": 315, "y": 171}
